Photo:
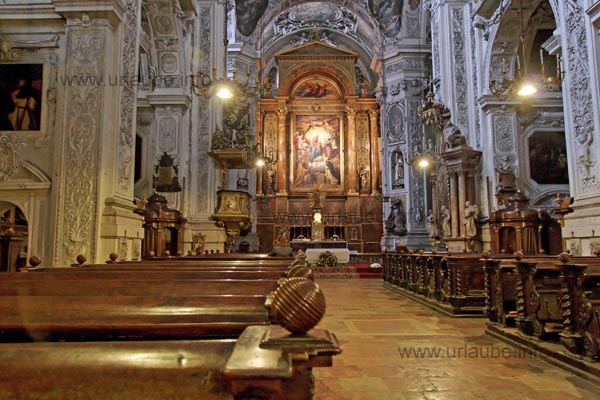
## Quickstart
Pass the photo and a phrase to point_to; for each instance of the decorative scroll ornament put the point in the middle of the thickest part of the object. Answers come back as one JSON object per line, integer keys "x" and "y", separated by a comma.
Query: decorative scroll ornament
{"x": 7, "y": 53}
{"x": 10, "y": 160}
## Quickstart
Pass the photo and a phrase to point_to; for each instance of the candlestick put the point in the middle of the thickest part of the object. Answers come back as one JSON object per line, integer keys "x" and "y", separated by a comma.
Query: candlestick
{"x": 518, "y": 65}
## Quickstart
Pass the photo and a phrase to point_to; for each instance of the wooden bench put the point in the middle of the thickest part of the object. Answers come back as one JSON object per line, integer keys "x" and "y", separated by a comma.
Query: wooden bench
{"x": 167, "y": 369}
{"x": 104, "y": 334}
{"x": 527, "y": 291}
{"x": 580, "y": 307}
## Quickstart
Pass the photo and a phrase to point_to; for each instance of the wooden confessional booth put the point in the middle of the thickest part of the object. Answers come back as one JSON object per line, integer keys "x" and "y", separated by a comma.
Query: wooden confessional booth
{"x": 319, "y": 134}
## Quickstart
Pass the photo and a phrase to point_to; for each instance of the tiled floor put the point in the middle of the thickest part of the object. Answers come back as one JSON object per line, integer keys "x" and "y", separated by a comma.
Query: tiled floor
{"x": 381, "y": 331}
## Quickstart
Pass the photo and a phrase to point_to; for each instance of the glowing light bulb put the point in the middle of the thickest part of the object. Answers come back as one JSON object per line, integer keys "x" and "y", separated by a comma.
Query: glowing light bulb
{"x": 527, "y": 89}
{"x": 423, "y": 163}
{"x": 224, "y": 93}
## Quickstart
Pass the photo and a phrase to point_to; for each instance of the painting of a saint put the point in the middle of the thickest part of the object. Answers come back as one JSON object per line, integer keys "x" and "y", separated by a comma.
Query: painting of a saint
{"x": 548, "y": 158}
{"x": 395, "y": 122}
{"x": 20, "y": 97}
{"x": 317, "y": 152}
{"x": 316, "y": 88}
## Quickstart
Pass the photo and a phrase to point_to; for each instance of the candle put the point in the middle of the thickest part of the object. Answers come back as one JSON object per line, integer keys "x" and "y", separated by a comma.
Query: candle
{"x": 542, "y": 56}
{"x": 518, "y": 64}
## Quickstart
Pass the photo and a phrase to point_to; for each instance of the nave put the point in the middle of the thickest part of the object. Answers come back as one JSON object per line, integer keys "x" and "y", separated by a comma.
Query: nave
{"x": 375, "y": 326}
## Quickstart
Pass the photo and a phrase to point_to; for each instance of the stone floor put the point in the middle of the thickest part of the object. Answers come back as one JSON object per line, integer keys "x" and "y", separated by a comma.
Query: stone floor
{"x": 394, "y": 348}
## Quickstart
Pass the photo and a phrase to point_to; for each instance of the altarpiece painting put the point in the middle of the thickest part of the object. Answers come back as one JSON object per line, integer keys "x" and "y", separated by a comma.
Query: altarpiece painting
{"x": 317, "y": 152}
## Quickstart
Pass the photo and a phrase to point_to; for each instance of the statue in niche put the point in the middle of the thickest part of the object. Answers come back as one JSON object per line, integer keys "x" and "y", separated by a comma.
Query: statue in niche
{"x": 362, "y": 83}
{"x": 445, "y": 216}
{"x": 363, "y": 177}
{"x": 396, "y": 220}
{"x": 471, "y": 214}
{"x": 270, "y": 177}
{"x": 270, "y": 82}
{"x": 432, "y": 227}
{"x": 398, "y": 169}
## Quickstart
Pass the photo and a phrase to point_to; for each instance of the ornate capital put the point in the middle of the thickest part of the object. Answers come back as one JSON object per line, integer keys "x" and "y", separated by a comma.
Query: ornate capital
{"x": 350, "y": 111}
{"x": 282, "y": 111}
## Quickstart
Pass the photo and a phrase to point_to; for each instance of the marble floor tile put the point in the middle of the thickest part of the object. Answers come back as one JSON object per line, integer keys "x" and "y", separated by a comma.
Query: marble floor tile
{"x": 396, "y": 349}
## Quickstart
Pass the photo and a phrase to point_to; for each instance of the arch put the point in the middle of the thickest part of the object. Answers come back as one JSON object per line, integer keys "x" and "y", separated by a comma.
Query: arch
{"x": 332, "y": 72}
{"x": 504, "y": 38}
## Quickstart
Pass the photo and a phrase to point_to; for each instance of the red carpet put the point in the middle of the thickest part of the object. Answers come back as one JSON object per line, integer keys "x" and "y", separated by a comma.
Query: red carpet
{"x": 364, "y": 271}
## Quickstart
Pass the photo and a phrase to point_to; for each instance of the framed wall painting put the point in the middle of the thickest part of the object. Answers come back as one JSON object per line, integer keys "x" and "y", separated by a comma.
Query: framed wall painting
{"x": 317, "y": 156}
{"x": 21, "y": 89}
{"x": 548, "y": 158}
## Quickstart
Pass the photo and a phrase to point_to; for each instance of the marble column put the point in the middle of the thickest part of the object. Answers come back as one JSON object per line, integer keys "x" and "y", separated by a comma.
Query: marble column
{"x": 282, "y": 160}
{"x": 462, "y": 199}
{"x": 351, "y": 178}
{"x": 454, "y": 205}
{"x": 375, "y": 150}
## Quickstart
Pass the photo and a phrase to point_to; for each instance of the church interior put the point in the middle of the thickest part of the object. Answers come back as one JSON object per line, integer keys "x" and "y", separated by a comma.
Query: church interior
{"x": 186, "y": 186}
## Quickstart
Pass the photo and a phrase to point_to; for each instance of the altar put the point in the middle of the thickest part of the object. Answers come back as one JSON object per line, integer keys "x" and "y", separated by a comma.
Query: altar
{"x": 299, "y": 244}
{"x": 342, "y": 255}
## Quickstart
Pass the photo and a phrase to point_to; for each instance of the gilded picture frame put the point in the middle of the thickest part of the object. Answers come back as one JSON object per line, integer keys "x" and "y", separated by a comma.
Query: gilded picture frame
{"x": 317, "y": 152}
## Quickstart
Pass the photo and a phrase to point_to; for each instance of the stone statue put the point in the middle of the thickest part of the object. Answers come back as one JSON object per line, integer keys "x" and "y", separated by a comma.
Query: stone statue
{"x": 445, "y": 214}
{"x": 471, "y": 214}
{"x": 198, "y": 243}
{"x": 432, "y": 227}
{"x": 363, "y": 178}
{"x": 396, "y": 220}
{"x": 452, "y": 134}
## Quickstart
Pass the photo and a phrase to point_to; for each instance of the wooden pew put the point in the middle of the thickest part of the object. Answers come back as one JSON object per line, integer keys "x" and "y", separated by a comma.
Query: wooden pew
{"x": 141, "y": 322}
{"x": 167, "y": 369}
{"x": 580, "y": 307}
{"x": 148, "y": 274}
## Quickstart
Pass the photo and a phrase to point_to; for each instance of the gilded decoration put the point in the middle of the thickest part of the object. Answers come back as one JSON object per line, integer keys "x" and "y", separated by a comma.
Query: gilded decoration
{"x": 317, "y": 152}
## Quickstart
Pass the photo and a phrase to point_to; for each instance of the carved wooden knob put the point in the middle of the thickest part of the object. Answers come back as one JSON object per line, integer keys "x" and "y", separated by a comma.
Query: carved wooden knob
{"x": 487, "y": 254}
{"x": 434, "y": 251}
{"x": 301, "y": 271}
{"x": 168, "y": 253}
{"x": 597, "y": 251}
{"x": 298, "y": 305}
{"x": 421, "y": 252}
{"x": 34, "y": 261}
{"x": 564, "y": 257}
{"x": 518, "y": 255}
{"x": 113, "y": 257}
{"x": 411, "y": 251}
{"x": 81, "y": 259}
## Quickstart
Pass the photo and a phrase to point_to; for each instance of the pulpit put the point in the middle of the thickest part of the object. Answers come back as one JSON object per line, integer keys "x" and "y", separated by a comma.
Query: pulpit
{"x": 233, "y": 214}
